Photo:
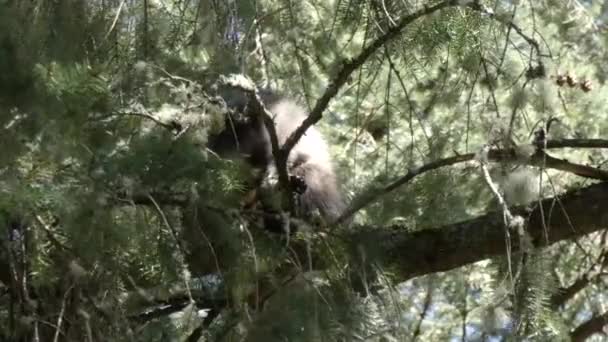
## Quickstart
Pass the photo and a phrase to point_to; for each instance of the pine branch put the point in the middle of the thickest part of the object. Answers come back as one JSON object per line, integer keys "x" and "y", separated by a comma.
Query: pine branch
{"x": 160, "y": 307}
{"x": 454, "y": 245}
{"x": 438, "y": 249}
{"x": 478, "y": 7}
{"x": 171, "y": 125}
{"x": 577, "y": 143}
{"x": 539, "y": 159}
{"x": 350, "y": 66}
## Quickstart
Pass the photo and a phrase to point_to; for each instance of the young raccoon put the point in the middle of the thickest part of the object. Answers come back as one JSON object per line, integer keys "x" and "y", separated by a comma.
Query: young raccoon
{"x": 309, "y": 163}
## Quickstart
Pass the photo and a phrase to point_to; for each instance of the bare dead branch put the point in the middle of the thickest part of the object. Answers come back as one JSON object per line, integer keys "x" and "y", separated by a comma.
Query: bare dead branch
{"x": 60, "y": 318}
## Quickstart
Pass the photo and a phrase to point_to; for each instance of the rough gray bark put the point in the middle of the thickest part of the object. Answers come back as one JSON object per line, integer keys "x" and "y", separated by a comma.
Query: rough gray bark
{"x": 567, "y": 216}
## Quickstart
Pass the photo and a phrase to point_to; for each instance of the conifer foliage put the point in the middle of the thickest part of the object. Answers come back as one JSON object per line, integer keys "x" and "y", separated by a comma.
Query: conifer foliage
{"x": 468, "y": 136}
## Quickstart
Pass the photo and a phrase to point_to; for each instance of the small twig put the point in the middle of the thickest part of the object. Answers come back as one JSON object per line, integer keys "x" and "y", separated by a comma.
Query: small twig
{"x": 411, "y": 174}
{"x": 172, "y": 126}
{"x": 493, "y": 187}
{"x": 509, "y": 219}
{"x": 255, "y": 265}
{"x": 566, "y": 293}
{"x": 161, "y": 213}
{"x": 491, "y": 86}
{"x": 118, "y": 11}
{"x": 62, "y": 313}
{"x": 425, "y": 309}
{"x": 254, "y": 28}
{"x": 478, "y": 7}
{"x": 50, "y": 235}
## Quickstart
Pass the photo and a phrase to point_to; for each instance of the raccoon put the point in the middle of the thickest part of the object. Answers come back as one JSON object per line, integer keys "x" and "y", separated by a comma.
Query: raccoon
{"x": 309, "y": 163}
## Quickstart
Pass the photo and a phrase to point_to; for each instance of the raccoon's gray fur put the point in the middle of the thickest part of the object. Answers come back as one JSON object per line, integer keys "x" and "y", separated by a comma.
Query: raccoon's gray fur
{"x": 309, "y": 161}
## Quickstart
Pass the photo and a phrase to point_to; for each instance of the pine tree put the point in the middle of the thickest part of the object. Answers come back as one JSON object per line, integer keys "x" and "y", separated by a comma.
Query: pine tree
{"x": 468, "y": 136}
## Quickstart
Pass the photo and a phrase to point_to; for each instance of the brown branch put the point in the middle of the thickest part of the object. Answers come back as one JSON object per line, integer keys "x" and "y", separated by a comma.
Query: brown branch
{"x": 458, "y": 244}
{"x": 539, "y": 159}
{"x": 565, "y": 294}
{"x": 142, "y": 198}
{"x": 594, "y": 325}
{"x": 577, "y": 143}
{"x": 350, "y": 66}
{"x": 454, "y": 245}
{"x": 412, "y": 254}
{"x": 542, "y": 159}
{"x": 360, "y": 204}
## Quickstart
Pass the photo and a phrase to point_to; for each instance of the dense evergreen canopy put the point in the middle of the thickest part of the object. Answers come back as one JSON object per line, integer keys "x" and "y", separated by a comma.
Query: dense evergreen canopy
{"x": 468, "y": 136}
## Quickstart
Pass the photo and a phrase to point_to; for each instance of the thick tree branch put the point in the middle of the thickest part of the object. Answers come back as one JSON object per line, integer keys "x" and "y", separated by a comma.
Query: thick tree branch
{"x": 577, "y": 143}
{"x": 590, "y": 327}
{"x": 455, "y": 245}
{"x": 542, "y": 159}
{"x": 451, "y": 246}
{"x": 448, "y": 247}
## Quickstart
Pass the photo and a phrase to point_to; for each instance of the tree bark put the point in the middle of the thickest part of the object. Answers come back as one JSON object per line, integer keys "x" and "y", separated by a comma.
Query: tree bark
{"x": 594, "y": 325}
{"x": 567, "y": 216}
